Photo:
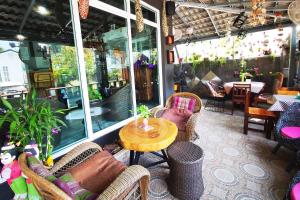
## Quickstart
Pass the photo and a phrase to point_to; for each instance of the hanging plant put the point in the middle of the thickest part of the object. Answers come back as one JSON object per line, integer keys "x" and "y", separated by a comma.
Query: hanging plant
{"x": 84, "y": 8}
{"x": 139, "y": 16}
{"x": 164, "y": 24}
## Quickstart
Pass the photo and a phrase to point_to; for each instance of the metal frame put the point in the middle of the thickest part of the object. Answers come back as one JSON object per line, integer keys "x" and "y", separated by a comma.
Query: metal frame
{"x": 126, "y": 14}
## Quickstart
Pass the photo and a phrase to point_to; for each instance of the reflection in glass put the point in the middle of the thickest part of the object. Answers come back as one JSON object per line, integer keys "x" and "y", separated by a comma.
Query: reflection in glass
{"x": 45, "y": 60}
{"x": 107, "y": 64}
{"x": 116, "y": 3}
{"x": 145, "y": 65}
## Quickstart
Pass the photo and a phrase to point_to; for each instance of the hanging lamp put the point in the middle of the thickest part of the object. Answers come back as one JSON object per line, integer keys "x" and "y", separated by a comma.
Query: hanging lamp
{"x": 139, "y": 16}
{"x": 84, "y": 8}
{"x": 164, "y": 20}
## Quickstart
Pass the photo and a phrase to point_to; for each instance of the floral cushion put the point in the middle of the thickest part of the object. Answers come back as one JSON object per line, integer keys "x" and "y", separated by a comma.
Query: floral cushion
{"x": 295, "y": 192}
{"x": 291, "y": 132}
{"x": 178, "y": 116}
{"x": 65, "y": 182}
{"x": 183, "y": 103}
{"x": 37, "y": 166}
{"x": 70, "y": 186}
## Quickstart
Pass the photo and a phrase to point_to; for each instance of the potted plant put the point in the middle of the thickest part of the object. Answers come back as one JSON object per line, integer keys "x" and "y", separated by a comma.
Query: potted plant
{"x": 33, "y": 120}
{"x": 145, "y": 113}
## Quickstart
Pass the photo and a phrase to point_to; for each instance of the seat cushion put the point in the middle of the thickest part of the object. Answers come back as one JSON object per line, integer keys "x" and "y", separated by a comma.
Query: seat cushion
{"x": 291, "y": 132}
{"x": 178, "y": 116}
{"x": 295, "y": 192}
{"x": 98, "y": 172}
{"x": 183, "y": 103}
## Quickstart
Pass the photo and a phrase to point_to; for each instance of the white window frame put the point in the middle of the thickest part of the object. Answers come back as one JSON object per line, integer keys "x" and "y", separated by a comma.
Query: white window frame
{"x": 126, "y": 14}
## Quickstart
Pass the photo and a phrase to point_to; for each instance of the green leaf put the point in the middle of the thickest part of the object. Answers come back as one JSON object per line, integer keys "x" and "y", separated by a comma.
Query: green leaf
{"x": 12, "y": 127}
{"x": 7, "y": 104}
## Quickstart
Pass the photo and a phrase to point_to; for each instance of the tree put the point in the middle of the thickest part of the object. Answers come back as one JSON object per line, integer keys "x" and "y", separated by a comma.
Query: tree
{"x": 65, "y": 67}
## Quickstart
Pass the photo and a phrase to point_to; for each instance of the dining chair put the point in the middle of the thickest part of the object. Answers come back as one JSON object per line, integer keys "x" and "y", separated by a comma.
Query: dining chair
{"x": 239, "y": 92}
{"x": 268, "y": 118}
{"x": 277, "y": 84}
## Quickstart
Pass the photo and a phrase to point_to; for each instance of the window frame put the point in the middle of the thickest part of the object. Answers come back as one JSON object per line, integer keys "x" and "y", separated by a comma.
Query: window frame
{"x": 126, "y": 14}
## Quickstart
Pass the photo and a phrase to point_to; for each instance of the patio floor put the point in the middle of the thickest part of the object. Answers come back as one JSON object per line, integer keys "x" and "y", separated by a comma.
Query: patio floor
{"x": 235, "y": 166}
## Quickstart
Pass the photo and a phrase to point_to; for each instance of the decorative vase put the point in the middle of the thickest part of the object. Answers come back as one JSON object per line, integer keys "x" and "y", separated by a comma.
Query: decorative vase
{"x": 145, "y": 122}
{"x": 84, "y": 8}
{"x": 145, "y": 125}
{"x": 139, "y": 16}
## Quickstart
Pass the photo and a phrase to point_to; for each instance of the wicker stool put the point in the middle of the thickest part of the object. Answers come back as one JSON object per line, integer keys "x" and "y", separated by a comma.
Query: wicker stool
{"x": 185, "y": 180}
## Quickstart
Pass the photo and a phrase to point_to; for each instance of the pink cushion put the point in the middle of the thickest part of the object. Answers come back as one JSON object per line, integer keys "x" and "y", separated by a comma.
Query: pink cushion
{"x": 291, "y": 132}
{"x": 179, "y": 117}
{"x": 184, "y": 103}
{"x": 295, "y": 192}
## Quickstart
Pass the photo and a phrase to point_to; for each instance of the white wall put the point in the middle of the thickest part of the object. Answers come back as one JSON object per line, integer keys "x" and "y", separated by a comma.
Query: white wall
{"x": 16, "y": 68}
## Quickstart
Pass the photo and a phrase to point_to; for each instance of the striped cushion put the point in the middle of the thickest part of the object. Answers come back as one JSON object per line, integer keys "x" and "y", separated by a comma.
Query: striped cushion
{"x": 183, "y": 103}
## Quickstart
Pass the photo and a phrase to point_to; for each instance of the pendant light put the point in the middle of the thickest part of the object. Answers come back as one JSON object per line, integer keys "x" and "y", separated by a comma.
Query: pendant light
{"x": 164, "y": 24}
{"x": 84, "y": 8}
{"x": 139, "y": 16}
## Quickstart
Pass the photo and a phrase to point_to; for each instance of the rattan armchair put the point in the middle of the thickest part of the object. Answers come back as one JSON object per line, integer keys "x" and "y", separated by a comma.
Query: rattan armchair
{"x": 189, "y": 133}
{"x": 130, "y": 184}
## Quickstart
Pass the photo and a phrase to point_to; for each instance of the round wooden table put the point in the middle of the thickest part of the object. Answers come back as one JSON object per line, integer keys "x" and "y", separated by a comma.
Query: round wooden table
{"x": 137, "y": 140}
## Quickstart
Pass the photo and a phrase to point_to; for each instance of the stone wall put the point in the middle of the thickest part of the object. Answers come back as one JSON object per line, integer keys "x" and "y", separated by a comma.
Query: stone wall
{"x": 225, "y": 71}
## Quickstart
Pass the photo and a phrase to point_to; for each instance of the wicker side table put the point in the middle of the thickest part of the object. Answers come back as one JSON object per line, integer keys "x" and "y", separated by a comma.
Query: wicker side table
{"x": 185, "y": 180}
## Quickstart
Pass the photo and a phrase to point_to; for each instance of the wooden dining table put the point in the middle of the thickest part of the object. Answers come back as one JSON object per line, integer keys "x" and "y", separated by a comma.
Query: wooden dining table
{"x": 256, "y": 87}
{"x": 138, "y": 140}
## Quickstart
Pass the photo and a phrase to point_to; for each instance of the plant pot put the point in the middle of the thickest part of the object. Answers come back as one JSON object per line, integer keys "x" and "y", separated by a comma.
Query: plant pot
{"x": 145, "y": 125}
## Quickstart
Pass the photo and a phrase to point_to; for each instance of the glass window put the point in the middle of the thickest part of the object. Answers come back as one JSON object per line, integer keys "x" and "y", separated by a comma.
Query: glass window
{"x": 145, "y": 58}
{"x": 107, "y": 65}
{"x": 43, "y": 58}
{"x": 147, "y": 14}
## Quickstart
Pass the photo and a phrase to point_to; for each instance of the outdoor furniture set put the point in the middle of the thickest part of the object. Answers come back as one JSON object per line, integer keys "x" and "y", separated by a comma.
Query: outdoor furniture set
{"x": 73, "y": 176}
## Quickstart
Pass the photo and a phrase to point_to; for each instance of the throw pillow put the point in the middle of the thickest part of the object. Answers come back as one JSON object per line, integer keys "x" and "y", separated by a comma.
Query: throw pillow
{"x": 184, "y": 103}
{"x": 70, "y": 186}
{"x": 37, "y": 166}
{"x": 66, "y": 182}
{"x": 98, "y": 172}
{"x": 179, "y": 117}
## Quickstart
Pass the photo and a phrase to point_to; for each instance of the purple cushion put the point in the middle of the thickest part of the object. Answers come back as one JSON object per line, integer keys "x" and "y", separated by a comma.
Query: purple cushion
{"x": 295, "y": 192}
{"x": 179, "y": 117}
{"x": 291, "y": 132}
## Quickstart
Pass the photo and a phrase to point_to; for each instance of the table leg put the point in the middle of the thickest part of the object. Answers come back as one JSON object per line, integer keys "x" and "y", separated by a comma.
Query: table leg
{"x": 164, "y": 154}
{"x": 131, "y": 159}
{"x": 137, "y": 158}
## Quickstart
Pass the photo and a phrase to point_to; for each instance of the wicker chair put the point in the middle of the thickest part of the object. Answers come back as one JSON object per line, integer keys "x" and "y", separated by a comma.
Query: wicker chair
{"x": 130, "y": 184}
{"x": 291, "y": 117}
{"x": 189, "y": 133}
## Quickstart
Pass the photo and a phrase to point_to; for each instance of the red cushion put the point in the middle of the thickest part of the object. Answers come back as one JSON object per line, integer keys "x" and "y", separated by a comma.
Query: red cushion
{"x": 295, "y": 192}
{"x": 179, "y": 117}
{"x": 291, "y": 132}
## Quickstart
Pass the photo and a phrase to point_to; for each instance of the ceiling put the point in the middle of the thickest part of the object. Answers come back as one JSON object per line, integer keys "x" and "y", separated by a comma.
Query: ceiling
{"x": 214, "y": 18}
